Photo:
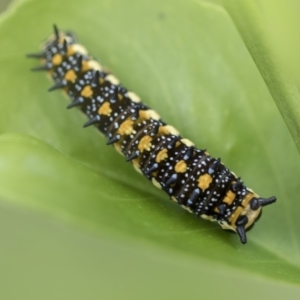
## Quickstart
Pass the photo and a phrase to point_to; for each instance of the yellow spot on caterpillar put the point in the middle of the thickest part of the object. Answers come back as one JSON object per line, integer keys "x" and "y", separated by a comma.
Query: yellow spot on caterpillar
{"x": 120, "y": 96}
{"x": 206, "y": 217}
{"x": 174, "y": 199}
{"x": 204, "y": 181}
{"x": 70, "y": 76}
{"x": 57, "y": 59}
{"x": 145, "y": 143}
{"x": 136, "y": 165}
{"x": 143, "y": 114}
{"x": 93, "y": 64}
{"x": 187, "y": 142}
{"x": 229, "y": 198}
{"x": 154, "y": 174}
{"x": 168, "y": 129}
{"x": 133, "y": 97}
{"x": 186, "y": 208}
{"x": 112, "y": 79}
{"x": 216, "y": 209}
{"x": 161, "y": 155}
{"x": 226, "y": 226}
{"x": 156, "y": 183}
{"x": 153, "y": 114}
{"x": 72, "y": 49}
{"x": 235, "y": 215}
{"x": 105, "y": 109}
{"x": 177, "y": 144}
{"x": 87, "y": 91}
{"x": 149, "y": 114}
{"x": 85, "y": 66}
{"x": 180, "y": 167}
{"x": 126, "y": 127}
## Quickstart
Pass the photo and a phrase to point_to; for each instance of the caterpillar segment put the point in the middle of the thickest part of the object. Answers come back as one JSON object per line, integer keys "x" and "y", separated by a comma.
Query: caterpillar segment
{"x": 191, "y": 177}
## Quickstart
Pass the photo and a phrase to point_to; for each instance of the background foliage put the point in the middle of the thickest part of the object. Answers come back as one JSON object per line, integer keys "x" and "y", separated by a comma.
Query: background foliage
{"x": 226, "y": 75}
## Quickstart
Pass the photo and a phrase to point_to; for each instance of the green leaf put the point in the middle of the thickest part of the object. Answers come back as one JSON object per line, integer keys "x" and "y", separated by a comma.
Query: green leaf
{"x": 270, "y": 32}
{"x": 187, "y": 61}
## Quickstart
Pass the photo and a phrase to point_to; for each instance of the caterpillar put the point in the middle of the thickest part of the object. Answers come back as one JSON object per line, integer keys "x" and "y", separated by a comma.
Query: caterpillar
{"x": 192, "y": 178}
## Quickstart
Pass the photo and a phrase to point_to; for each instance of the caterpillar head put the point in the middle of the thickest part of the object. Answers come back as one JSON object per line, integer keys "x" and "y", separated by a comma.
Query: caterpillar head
{"x": 243, "y": 218}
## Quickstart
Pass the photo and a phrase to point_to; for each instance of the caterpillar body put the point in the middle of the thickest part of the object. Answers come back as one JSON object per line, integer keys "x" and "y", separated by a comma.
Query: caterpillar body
{"x": 190, "y": 176}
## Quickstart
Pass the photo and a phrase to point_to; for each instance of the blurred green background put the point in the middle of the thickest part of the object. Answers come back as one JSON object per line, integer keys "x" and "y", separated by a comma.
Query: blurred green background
{"x": 78, "y": 223}
{"x": 4, "y": 4}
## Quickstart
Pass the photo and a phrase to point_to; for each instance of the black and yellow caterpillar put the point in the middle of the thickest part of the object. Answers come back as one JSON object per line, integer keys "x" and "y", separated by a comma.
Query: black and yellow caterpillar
{"x": 191, "y": 177}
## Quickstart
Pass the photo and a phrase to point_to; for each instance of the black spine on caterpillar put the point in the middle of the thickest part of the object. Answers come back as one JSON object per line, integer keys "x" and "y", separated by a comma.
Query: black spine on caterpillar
{"x": 190, "y": 176}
